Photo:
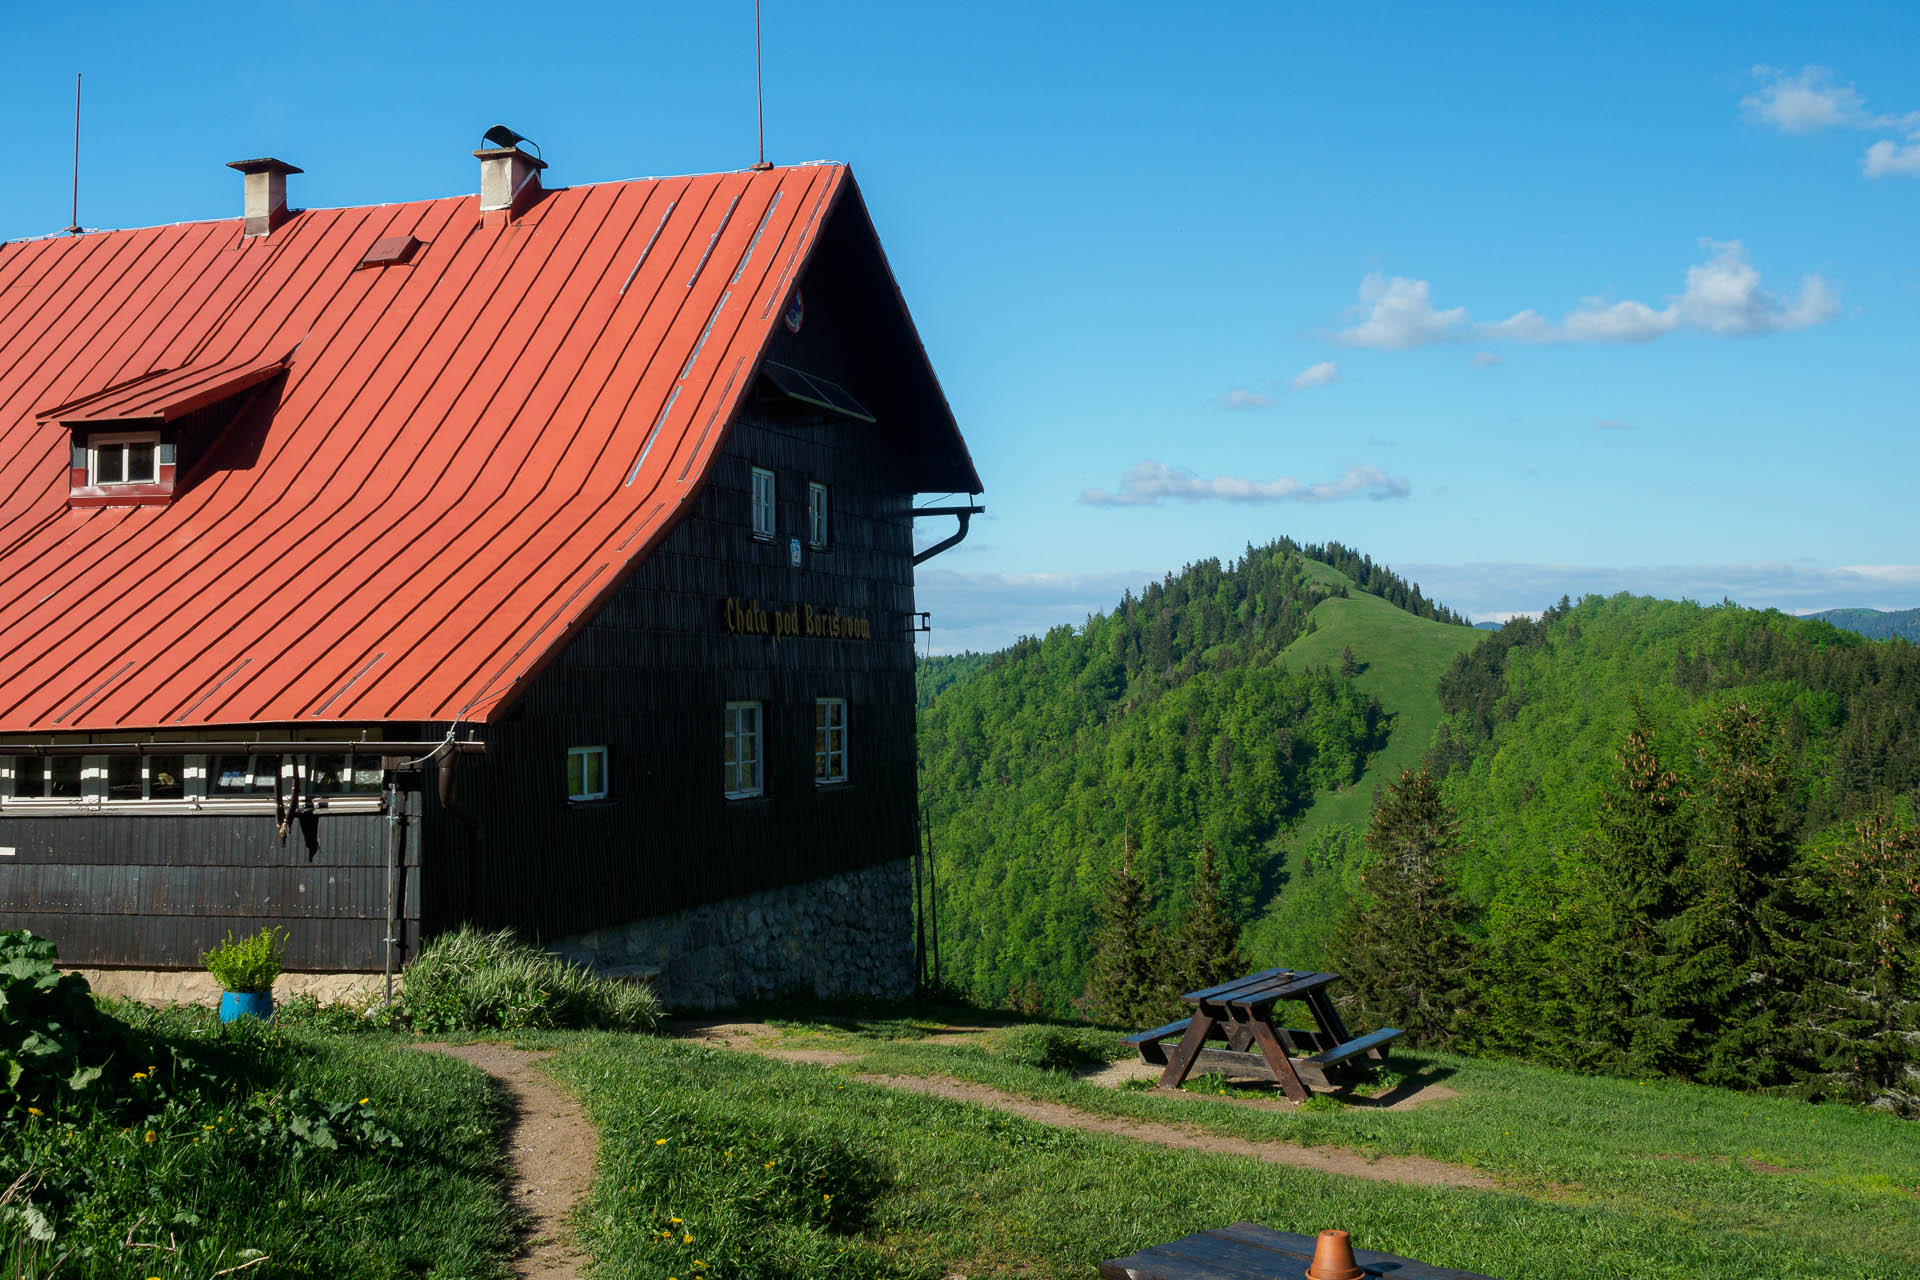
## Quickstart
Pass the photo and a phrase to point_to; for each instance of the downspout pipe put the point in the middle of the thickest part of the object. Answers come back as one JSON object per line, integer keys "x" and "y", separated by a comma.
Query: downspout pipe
{"x": 963, "y": 514}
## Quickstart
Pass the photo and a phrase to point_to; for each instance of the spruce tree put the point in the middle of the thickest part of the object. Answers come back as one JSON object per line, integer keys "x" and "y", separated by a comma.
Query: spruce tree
{"x": 1206, "y": 945}
{"x": 1124, "y": 980}
{"x": 1349, "y": 665}
{"x": 1626, "y": 1009}
{"x": 1864, "y": 997}
{"x": 1402, "y": 946}
{"x": 1735, "y": 939}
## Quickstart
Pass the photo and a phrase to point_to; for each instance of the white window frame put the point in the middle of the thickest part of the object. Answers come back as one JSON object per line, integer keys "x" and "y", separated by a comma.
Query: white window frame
{"x": 98, "y": 438}
{"x": 745, "y": 724}
{"x": 829, "y": 741}
{"x": 819, "y": 514}
{"x": 587, "y": 757}
{"x": 763, "y": 518}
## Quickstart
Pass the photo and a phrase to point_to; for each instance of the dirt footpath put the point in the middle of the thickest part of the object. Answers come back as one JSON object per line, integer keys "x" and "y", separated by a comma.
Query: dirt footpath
{"x": 551, "y": 1147}
{"x": 1412, "y": 1170}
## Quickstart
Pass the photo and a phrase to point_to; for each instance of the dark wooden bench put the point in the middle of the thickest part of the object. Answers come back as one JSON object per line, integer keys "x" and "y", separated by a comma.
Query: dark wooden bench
{"x": 1249, "y": 1251}
{"x": 1241, "y": 1012}
{"x": 1151, "y": 1043}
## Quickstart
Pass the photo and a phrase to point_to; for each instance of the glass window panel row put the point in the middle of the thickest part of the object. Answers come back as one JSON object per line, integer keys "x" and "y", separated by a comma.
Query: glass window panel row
{"x": 122, "y": 778}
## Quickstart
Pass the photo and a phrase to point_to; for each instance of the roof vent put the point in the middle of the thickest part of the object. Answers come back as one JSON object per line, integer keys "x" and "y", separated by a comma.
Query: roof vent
{"x": 509, "y": 177}
{"x": 266, "y": 204}
{"x": 389, "y": 251}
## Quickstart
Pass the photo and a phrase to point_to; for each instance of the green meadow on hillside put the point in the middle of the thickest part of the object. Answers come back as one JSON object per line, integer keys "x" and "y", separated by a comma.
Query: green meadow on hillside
{"x": 1401, "y": 659}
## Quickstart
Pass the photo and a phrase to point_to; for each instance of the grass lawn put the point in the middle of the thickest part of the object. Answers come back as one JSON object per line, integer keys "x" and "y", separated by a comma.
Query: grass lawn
{"x": 719, "y": 1163}
{"x": 275, "y": 1142}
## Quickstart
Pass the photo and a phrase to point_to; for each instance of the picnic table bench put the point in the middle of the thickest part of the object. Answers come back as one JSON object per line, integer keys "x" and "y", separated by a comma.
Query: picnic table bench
{"x": 1240, "y": 1012}
{"x": 1247, "y": 1250}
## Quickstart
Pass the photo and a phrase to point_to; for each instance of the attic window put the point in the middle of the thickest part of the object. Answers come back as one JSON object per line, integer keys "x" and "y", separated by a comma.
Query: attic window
{"x": 812, "y": 389}
{"x": 129, "y": 439}
{"x": 123, "y": 457}
{"x": 390, "y": 251}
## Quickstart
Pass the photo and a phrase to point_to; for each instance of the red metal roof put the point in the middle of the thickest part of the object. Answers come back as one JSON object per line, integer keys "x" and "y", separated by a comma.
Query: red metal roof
{"x": 166, "y": 394}
{"x": 469, "y": 452}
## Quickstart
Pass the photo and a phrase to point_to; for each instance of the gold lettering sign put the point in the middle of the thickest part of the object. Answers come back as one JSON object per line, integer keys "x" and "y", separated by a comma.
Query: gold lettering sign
{"x": 750, "y": 619}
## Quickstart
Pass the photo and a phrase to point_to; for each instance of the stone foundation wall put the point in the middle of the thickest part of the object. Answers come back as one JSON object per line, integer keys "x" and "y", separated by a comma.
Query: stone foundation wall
{"x": 844, "y": 935}
{"x": 196, "y": 986}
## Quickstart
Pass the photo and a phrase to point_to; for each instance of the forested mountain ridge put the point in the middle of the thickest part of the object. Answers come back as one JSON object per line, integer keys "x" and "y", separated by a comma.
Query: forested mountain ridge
{"x": 1173, "y": 723}
{"x": 1686, "y": 844}
{"x": 1535, "y": 715}
{"x": 1876, "y": 624}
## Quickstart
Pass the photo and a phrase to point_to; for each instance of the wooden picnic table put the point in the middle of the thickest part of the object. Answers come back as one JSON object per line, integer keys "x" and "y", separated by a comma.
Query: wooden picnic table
{"x": 1240, "y": 1012}
{"x": 1247, "y": 1250}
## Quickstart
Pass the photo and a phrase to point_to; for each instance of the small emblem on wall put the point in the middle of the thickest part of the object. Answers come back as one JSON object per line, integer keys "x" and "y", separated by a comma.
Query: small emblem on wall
{"x": 796, "y": 312}
{"x": 793, "y": 552}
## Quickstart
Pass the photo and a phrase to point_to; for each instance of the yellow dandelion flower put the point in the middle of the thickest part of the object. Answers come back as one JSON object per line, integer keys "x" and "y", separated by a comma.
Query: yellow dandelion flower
{"x": 767, "y": 1165}
{"x": 687, "y": 1239}
{"x": 363, "y": 1102}
{"x": 35, "y": 1111}
{"x": 152, "y": 1136}
{"x": 826, "y": 1197}
{"x": 207, "y": 1127}
{"x": 139, "y": 1075}
{"x": 674, "y": 1221}
{"x": 659, "y": 1142}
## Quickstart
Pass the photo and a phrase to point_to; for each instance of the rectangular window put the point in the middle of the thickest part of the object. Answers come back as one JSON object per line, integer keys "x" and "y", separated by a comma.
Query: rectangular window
{"x": 743, "y": 776}
{"x": 817, "y": 514}
{"x": 124, "y": 778}
{"x": 762, "y": 503}
{"x": 123, "y": 458}
{"x": 235, "y": 776}
{"x": 29, "y": 777}
{"x": 166, "y": 777}
{"x": 829, "y": 740}
{"x": 63, "y": 777}
{"x": 586, "y": 773}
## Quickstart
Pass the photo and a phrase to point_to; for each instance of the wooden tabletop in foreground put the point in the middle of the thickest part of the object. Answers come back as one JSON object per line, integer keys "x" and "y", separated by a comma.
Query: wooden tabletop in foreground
{"x": 1249, "y": 1251}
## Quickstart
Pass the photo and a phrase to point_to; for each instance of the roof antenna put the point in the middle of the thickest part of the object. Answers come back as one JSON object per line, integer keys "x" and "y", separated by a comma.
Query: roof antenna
{"x": 73, "y": 228}
{"x": 759, "y": 99}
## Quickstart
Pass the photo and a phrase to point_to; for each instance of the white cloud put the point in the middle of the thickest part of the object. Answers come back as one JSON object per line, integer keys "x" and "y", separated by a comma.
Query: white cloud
{"x": 1806, "y": 103}
{"x": 1316, "y": 375}
{"x": 1400, "y": 314}
{"x": 1889, "y": 159}
{"x": 1487, "y": 359}
{"x": 1242, "y": 398}
{"x": 1809, "y": 102}
{"x": 1722, "y": 296}
{"x": 1148, "y": 483}
{"x": 1611, "y": 424}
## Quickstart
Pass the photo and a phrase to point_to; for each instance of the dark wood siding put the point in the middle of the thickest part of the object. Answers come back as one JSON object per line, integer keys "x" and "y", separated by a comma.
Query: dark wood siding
{"x": 155, "y": 890}
{"x": 649, "y": 679}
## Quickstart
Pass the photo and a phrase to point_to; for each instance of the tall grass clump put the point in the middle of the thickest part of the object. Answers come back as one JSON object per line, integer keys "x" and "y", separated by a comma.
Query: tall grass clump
{"x": 469, "y": 980}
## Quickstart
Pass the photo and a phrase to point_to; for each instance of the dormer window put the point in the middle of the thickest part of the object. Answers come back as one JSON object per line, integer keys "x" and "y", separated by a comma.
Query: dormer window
{"x": 124, "y": 457}
{"x": 132, "y": 438}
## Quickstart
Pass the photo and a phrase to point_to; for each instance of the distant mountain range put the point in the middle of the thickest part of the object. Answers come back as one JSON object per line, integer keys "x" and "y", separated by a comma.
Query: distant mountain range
{"x": 1876, "y": 624}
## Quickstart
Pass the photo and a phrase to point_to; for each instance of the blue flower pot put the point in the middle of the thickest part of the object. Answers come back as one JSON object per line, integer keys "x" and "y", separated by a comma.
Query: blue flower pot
{"x": 246, "y": 1004}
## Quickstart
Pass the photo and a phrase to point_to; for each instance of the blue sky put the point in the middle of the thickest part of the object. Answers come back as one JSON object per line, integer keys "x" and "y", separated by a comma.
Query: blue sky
{"x": 1523, "y": 301}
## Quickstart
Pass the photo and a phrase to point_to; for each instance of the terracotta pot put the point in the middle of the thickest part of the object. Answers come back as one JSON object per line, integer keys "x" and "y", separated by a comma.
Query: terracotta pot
{"x": 1333, "y": 1258}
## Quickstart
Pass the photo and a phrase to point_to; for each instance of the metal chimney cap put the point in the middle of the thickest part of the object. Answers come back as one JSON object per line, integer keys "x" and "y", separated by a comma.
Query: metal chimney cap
{"x": 509, "y": 153}
{"x": 265, "y": 164}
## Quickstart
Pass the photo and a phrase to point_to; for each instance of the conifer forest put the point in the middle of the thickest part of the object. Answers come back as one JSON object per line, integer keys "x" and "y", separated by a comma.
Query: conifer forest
{"x": 1647, "y": 837}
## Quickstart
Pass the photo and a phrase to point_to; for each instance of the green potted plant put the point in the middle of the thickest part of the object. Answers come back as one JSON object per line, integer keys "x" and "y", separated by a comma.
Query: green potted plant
{"x": 245, "y": 970}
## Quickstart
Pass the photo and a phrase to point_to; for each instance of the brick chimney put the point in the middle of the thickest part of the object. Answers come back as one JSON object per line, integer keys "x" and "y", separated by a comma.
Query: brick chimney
{"x": 266, "y": 192}
{"x": 509, "y": 180}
